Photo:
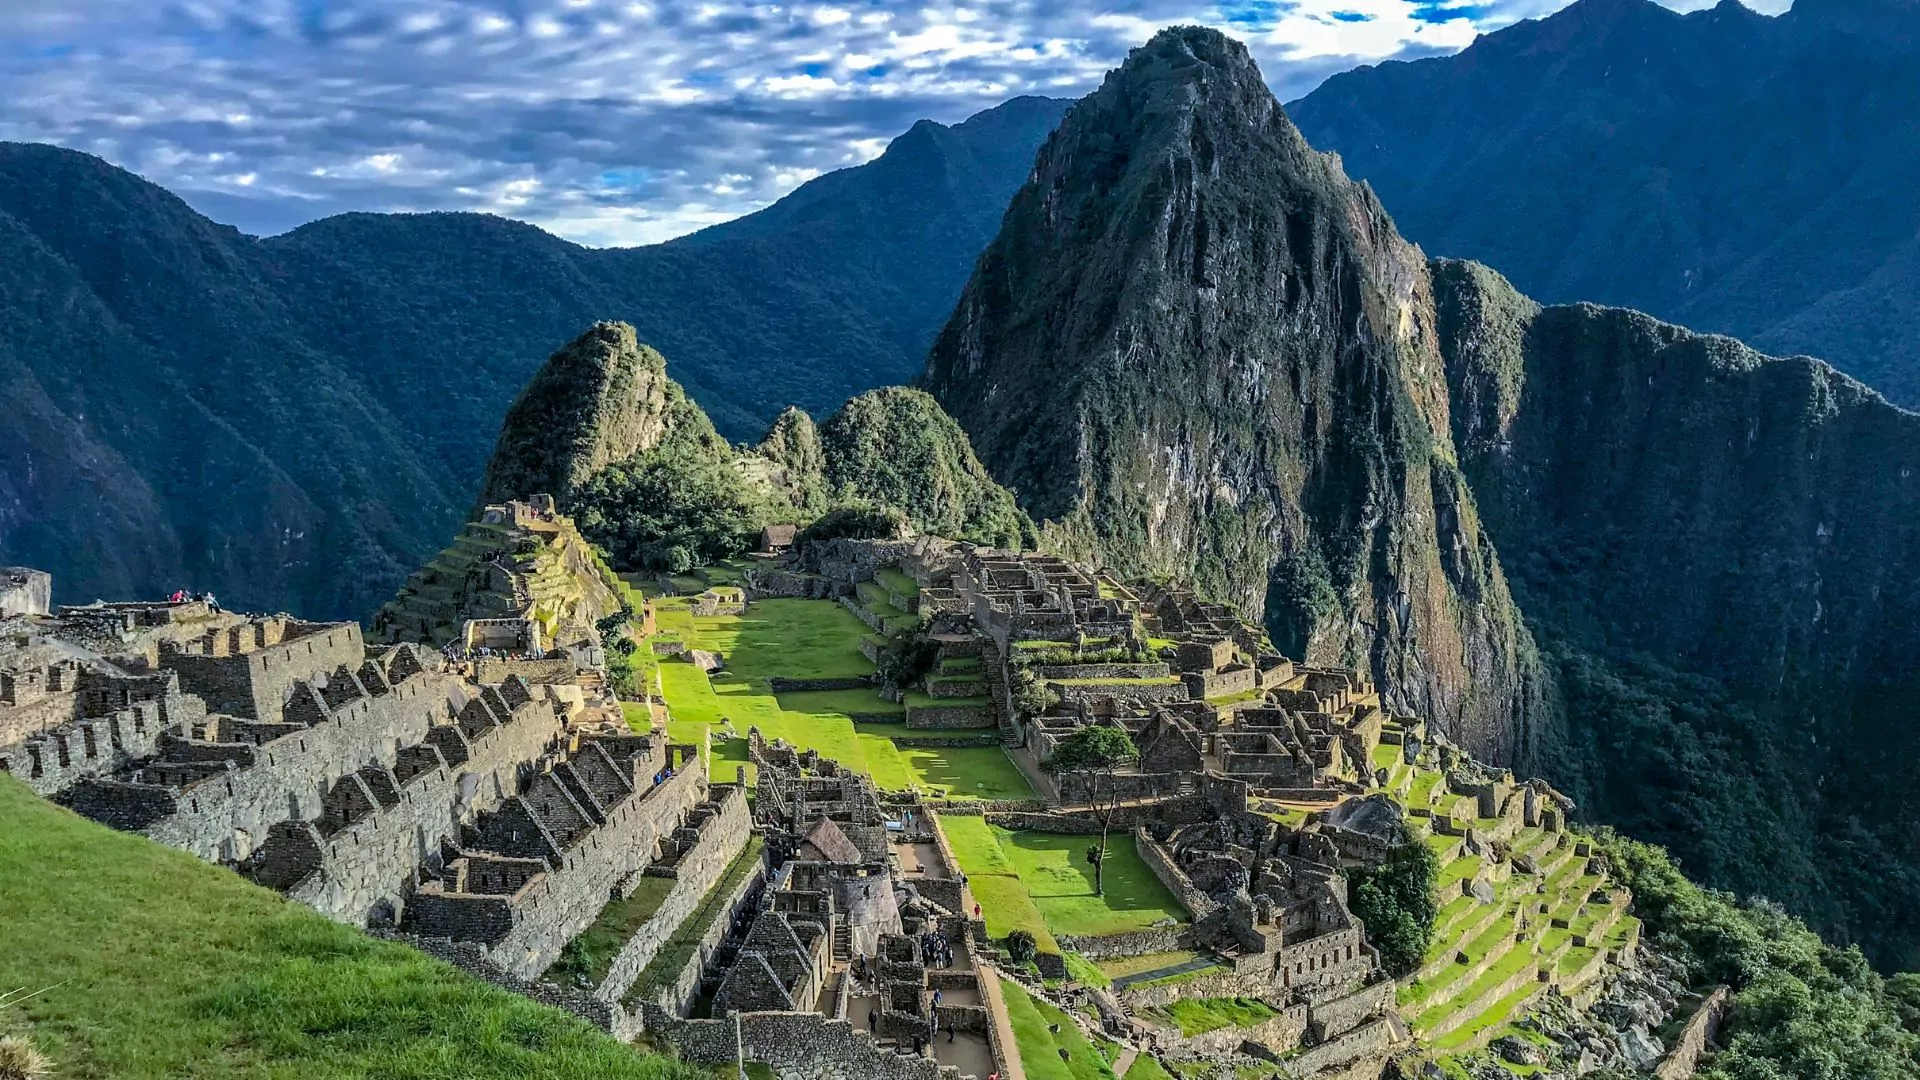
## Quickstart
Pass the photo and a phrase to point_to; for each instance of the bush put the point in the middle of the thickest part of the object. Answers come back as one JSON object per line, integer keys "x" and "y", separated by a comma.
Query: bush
{"x": 1021, "y": 947}
{"x": 856, "y": 522}
{"x": 1396, "y": 902}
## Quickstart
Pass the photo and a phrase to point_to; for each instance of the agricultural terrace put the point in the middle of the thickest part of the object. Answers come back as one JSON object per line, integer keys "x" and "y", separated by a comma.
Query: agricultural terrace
{"x": 807, "y": 639}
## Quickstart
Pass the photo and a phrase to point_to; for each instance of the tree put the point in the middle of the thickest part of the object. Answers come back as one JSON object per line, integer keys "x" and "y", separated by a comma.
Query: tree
{"x": 1099, "y": 752}
{"x": 1397, "y": 904}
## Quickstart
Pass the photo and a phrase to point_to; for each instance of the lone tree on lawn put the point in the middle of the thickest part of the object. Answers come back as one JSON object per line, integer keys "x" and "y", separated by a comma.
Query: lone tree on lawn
{"x": 1101, "y": 752}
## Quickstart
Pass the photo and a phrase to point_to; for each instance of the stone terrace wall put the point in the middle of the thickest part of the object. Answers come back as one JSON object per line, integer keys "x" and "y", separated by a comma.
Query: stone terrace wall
{"x": 1684, "y": 1057}
{"x": 674, "y": 993}
{"x": 84, "y": 749}
{"x": 797, "y": 1046}
{"x": 697, "y": 872}
{"x": 1198, "y": 904}
{"x": 1156, "y": 939}
{"x": 374, "y": 860}
{"x": 253, "y": 685}
{"x": 558, "y": 905}
{"x": 223, "y": 817}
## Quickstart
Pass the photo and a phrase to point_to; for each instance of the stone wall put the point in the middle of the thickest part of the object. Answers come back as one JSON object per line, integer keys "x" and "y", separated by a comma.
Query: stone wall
{"x": 1102, "y": 671}
{"x": 25, "y": 591}
{"x": 1370, "y": 1039}
{"x": 1081, "y": 789}
{"x": 556, "y": 906}
{"x": 671, "y": 995}
{"x": 796, "y": 1046}
{"x": 1198, "y": 904}
{"x": 1684, "y": 1056}
{"x": 53, "y": 762}
{"x": 254, "y": 684}
{"x": 1172, "y": 691}
{"x": 922, "y": 717}
{"x": 1155, "y": 939}
{"x": 222, "y": 818}
{"x": 781, "y": 685}
{"x": 698, "y": 870}
{"x": 368, "y": 867}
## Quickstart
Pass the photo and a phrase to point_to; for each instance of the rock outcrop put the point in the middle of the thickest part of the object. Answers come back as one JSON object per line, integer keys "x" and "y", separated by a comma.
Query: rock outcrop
{"x": 1198, "y": 350}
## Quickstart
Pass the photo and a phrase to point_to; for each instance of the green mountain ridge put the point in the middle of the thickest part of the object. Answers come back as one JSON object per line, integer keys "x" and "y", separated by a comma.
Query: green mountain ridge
{"x": 623, "y": 448}
{"x": 298, "y": 421}
{"x": 1674, "y": 575}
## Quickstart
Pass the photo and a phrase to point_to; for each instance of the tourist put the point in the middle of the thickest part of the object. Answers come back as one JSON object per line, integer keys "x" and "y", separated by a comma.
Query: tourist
{"x": 212, "y": 604}
{"x": 936, "y": 999}
{"x": 873, "y": 1020}
{"x": 976, "y": 910}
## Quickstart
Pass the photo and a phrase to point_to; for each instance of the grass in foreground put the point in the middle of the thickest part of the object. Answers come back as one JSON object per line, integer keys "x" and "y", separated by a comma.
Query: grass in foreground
{"x": 160, "y": 965}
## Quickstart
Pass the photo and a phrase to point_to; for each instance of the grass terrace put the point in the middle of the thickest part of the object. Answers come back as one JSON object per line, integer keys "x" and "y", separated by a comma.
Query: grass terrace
{"x": 811, "y": 639}
{"x": 673, "y": 956}
{"x": 156, "y": 964}
{"x": 1040, "y": 1049}
{"x": 589, "y": 956}
{"x": 1197, "y": 1016}
{"x": 1041, "y": 882}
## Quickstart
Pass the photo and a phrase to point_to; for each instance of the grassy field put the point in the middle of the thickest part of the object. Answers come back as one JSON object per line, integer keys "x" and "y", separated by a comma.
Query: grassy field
{"x": 156, "y": 964}
{"x": 1054, "y": 869}
{"x": 590, "y": 955}
{"x": 1197, "y": 1016}
{"x": 809, "y": 639}
{"x": 1040, "y": 1048}
{"x": 1041, "y": 883}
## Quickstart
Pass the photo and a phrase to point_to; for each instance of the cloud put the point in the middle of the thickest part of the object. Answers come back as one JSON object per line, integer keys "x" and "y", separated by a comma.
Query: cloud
{"x": 606, "y": 121}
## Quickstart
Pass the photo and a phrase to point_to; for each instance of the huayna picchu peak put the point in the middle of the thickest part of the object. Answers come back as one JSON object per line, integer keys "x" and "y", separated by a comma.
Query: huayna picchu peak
{"x": 1197, "y": 349}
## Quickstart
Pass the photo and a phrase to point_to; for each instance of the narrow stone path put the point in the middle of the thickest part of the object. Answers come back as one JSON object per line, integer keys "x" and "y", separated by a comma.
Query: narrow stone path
{"x": 1002, "y": 1028}
{"x": 1196, "y": 964}
{"x": 1125, "y": 1062}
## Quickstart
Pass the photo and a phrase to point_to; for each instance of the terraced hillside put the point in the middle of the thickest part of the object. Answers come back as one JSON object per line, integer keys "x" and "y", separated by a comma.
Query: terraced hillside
{"x": 496, "y": 570}
{"x": 1524, "y": 910}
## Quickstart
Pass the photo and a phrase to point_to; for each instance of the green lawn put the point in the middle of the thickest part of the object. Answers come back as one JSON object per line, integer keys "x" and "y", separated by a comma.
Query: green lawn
{"x": 1147, "y": 1067}
{"x": 1040, "y": 1048}
{"x": 1197, "y": 1016}
{"x": 155, "y": 964}
{"x": 809, "y": 639}
{"x": 1040, "y": 882}
{"x": 1054, "y": 868}
{"x": 1134, "y": 965}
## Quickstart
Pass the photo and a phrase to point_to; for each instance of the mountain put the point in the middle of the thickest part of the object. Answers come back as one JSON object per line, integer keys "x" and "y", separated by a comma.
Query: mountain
{"x": 1200, "y": 351}
{"x": 295, "y": 422}
{"x": 1738, "y": 173}
{"x": 623, "y": 449}
{"x": 1720, "y": 554}
{"x": 1677, "y": 576}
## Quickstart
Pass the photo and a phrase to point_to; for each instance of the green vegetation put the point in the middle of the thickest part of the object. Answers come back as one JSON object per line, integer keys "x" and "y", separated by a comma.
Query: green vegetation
{"x": 156, "y": 964}
{"x": 1147, "y": 1067}
{"x": 1802, "y": 1008}
{"x": 810, "y": 639}
{"x": 587, "y": 958}
{"x": 1041, "y": 882}
{"x": 678, "y": 950}
{"x": 1086, "y": 972}
{"x": 1197, "y": 1016}
{"x": 1397, "y": 902}
{"x": 1040, "y": 1048}
{"x": 1097, "y": 752}
{"x": 1134, "y": 965}
{"x": 897, "y": 447}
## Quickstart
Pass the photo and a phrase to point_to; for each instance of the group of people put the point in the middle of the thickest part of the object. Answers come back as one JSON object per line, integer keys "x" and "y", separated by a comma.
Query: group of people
{"x": 936, "y": 952}
{"x": 181, "y": 596}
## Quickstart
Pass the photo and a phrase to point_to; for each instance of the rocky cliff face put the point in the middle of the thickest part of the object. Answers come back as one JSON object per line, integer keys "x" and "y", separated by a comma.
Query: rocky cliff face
{"x": 1197, "y": 349}
{"x": 1721, "y": 552}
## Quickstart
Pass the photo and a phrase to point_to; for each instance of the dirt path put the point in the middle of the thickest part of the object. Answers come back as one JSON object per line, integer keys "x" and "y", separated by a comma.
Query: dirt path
{"x": 1003, "y": 1030}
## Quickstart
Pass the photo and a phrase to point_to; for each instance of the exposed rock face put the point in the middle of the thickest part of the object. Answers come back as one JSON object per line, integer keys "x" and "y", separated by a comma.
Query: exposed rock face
{"x": 793, "y": 445}
{"x": 602, "y": 399}
{"x": 1721, "y": 552}
{"x": 1199, "y": 350}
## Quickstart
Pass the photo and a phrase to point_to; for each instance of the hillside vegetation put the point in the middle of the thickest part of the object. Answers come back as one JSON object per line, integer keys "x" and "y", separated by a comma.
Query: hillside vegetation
{"x": 155, "y": 964}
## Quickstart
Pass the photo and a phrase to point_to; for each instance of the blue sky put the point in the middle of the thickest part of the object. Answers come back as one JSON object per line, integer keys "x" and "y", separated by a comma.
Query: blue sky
{"x": 605, "y": 121}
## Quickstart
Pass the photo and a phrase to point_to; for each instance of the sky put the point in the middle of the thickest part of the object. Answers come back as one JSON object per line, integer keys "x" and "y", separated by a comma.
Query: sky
{"x": 608, "y": 122}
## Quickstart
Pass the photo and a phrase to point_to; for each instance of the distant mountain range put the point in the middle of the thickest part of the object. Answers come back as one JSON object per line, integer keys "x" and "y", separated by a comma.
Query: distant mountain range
{"x": 1735, "y": 172}
{"x": 296, "y": 422}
